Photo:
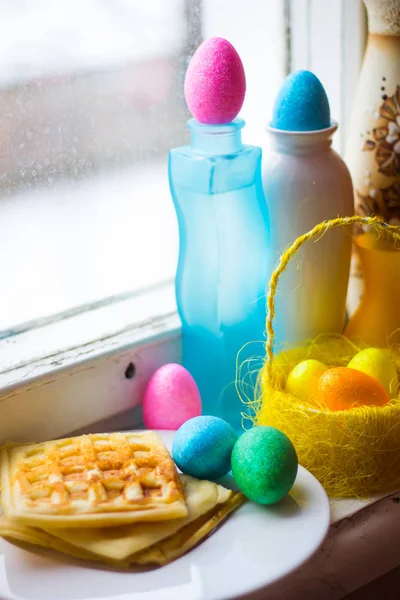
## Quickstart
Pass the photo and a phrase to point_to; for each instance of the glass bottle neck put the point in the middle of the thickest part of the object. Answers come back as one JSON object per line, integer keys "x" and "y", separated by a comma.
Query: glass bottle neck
{"x": 216, "y": 140}
{"x": 302, "y": 142}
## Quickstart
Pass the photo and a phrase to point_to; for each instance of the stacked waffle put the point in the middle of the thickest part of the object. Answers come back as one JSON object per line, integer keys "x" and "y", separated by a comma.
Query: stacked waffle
{"x": 115, "y": 497}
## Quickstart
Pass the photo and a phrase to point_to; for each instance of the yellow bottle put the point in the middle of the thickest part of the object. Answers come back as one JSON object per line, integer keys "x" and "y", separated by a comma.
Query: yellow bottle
{"x": 377, "y": 319}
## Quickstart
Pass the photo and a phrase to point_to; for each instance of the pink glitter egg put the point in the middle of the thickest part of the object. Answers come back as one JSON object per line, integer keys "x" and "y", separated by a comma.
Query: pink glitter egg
{"x": 171, "y": 398}
{"x": 215, "y": 83}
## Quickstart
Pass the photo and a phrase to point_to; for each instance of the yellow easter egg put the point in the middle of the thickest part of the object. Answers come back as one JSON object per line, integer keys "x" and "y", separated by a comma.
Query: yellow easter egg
{"x": 378, "y": 364}
{"x": 302, "y": 380}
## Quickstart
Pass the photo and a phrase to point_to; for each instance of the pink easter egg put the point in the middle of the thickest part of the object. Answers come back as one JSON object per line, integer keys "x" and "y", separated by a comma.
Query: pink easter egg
{"x": 215, "y": 83}
{"x": 171, "y": 398}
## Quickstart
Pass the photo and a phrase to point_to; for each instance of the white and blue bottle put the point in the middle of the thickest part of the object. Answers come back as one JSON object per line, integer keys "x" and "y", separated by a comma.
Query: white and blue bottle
{"x": 306, "y": 182}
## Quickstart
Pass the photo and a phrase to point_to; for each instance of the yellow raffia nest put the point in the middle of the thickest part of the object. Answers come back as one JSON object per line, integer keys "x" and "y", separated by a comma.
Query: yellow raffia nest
{"x": 352, "y": 452}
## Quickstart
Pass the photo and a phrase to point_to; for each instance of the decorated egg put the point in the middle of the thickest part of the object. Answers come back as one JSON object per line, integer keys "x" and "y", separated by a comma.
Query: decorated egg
{"x": 342, "y": 388}
{"x": 171, "y": 398}
{"x": 202, "y": 447}
{"x": 377, "y": 363}
{"x": 215, "y": 83}
{"x": 302, "y": 380}
{"x": 301, "y": 104}
{"x": 264, "y": 464}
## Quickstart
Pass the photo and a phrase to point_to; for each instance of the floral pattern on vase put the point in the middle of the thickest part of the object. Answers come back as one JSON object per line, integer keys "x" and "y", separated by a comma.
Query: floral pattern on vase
{"x": 386, "y": 142}
{"x": 383, "y": 201}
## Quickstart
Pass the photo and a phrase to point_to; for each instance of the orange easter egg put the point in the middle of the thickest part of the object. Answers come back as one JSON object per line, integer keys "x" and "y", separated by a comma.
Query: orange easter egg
{"x": 342, "y": 388}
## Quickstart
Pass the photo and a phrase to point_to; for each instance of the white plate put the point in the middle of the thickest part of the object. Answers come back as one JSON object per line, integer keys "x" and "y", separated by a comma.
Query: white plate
{"x": 253, "y": 548}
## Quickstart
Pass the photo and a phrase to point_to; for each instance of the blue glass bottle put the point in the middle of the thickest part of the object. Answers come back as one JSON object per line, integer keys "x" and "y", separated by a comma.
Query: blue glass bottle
{"x": 221, "y": 277}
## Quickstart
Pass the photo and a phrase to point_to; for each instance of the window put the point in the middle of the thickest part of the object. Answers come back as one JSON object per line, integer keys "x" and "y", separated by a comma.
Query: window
{"x": 91, "y": 101}
{"x": 91, "y": 97}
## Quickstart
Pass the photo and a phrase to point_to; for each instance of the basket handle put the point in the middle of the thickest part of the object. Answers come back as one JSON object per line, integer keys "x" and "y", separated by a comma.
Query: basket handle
{"x": 318, "y": 231}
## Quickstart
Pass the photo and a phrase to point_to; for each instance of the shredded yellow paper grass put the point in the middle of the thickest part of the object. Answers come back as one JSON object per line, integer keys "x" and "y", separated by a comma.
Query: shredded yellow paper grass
{"x": 352, "y": 452}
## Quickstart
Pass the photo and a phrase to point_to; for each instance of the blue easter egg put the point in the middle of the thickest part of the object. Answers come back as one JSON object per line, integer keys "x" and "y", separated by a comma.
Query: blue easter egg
{"x": 301, "y": 104}
{"x": 202, "y": 447}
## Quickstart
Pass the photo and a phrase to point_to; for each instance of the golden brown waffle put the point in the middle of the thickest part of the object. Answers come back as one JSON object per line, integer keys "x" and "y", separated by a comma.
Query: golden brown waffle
{"x": 95, "y": 480}
{"x": 116, "y": 543}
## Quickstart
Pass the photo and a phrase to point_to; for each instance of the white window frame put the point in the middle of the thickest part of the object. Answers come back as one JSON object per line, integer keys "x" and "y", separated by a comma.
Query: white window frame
{"x": 340, "y": 25}
{"x": 76, "y": 372}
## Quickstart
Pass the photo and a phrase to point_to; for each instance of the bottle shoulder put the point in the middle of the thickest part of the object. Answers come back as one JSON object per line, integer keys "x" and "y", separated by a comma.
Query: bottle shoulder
{"x": 319, "y": 165}
{"x": 214, "y": 174}
{"x": 315, "y": 183}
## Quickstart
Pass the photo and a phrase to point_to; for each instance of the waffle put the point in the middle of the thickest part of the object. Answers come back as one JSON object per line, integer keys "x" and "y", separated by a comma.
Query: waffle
{"x": 96, "y": 480}
{"x": 188, "y": 537}
{"x": 117, "y": 543}
{"x": 160, "y": 553}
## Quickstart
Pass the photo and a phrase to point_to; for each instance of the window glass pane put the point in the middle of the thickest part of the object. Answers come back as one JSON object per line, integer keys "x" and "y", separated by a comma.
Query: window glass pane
{"x": 90, "y": 103}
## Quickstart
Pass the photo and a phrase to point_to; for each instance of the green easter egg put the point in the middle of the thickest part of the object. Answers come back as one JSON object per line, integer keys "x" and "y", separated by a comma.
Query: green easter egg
{"x": 264, "y": 464}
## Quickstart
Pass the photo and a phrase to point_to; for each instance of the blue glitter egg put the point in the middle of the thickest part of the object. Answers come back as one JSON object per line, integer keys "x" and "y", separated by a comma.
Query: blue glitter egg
{"x": 301, "y": 104}
{"x": 202, "y": 447}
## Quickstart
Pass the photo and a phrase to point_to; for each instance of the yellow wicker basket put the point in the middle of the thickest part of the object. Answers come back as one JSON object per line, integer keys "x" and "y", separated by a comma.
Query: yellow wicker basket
{"x": 352, "y": 452}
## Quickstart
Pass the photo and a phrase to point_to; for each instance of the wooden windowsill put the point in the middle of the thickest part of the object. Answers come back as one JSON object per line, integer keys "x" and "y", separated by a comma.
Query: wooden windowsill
{"x": 362, "y": 545}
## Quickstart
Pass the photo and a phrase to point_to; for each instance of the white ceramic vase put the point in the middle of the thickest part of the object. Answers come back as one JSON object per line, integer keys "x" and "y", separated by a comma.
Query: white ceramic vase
{"x": 306, "y": 182}
{"x": 373, "y": 141}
